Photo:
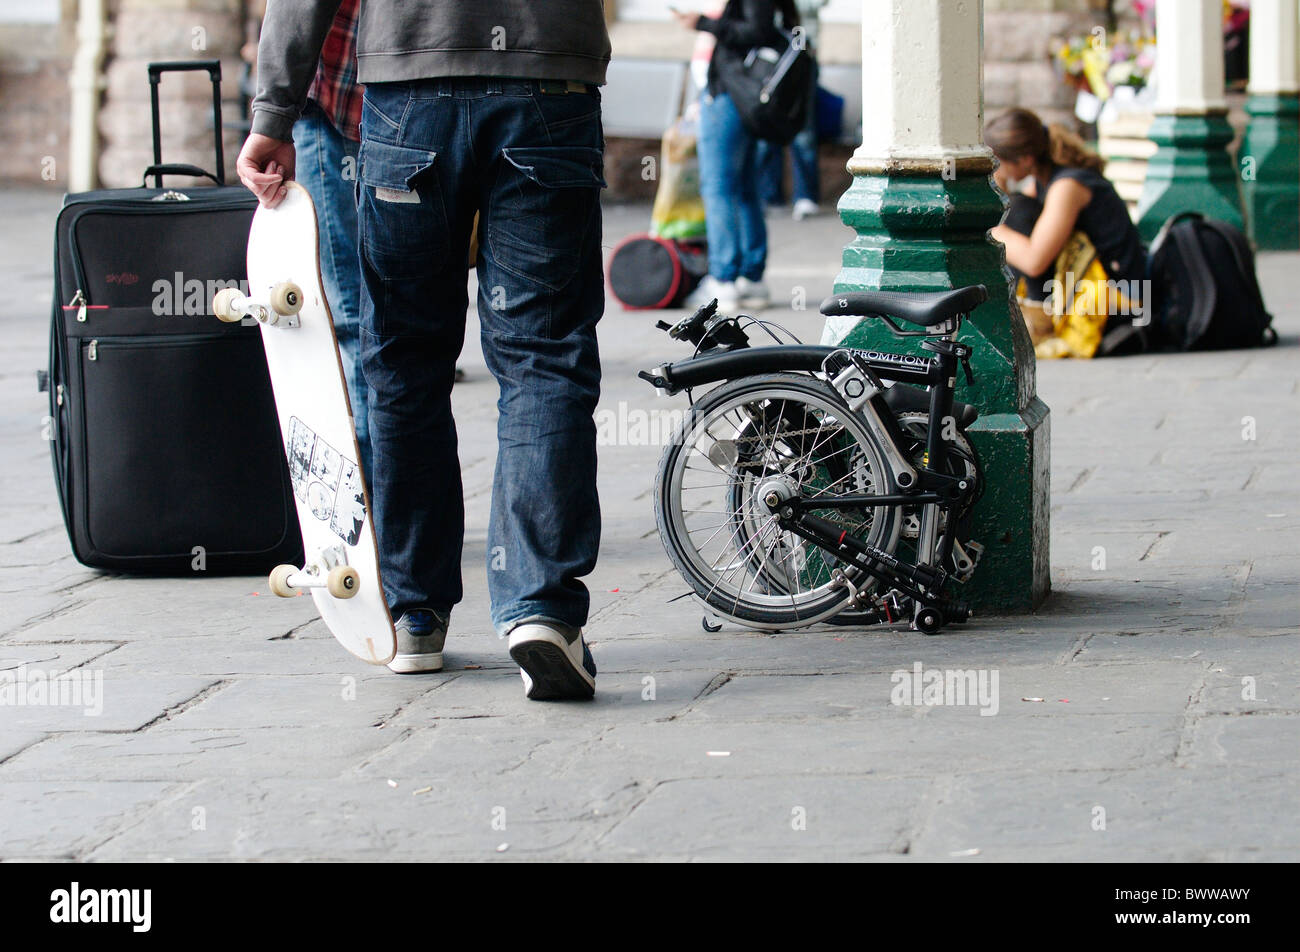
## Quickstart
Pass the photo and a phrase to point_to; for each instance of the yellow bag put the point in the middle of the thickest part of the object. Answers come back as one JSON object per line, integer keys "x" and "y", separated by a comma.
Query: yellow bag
{"x": 678, "y": 209}
{"x": 1083, "y": 298}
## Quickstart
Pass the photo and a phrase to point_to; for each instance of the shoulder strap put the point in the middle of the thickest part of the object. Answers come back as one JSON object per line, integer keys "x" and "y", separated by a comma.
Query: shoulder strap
{"x": 1163, "y": 235}
{"x": 1204, "y": 290}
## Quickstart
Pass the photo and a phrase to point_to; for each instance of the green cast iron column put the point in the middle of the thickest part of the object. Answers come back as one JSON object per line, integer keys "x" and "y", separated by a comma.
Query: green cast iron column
{"x": 919, "y": 229}
{"x": 1191, "y": 171}
{"x": 1270, "y": 159}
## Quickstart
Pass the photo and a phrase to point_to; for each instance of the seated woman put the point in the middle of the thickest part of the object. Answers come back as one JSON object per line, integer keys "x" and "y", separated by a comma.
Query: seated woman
{"x": 1067, "y": 231}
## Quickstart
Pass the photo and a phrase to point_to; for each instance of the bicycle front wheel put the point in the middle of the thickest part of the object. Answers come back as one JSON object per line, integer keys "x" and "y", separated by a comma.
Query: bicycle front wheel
{"x": 739, "y": 442}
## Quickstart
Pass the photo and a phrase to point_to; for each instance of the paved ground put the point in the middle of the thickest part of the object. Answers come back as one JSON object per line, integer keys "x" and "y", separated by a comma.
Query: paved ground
{"x": 233, "y": 727}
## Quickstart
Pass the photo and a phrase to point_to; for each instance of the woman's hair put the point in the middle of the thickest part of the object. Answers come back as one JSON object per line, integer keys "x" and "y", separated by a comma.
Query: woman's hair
{"x": 1018, "y": 133}
{"x": 789, "y": 14}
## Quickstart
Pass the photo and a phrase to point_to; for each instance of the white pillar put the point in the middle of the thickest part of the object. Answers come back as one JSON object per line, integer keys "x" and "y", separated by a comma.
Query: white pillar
{"x": 87, "y": 85}
{"x": 1189, "y": 61}
{"x": 1191, "y": 170}
{"x": 922, "y": 82}
{"x": 1274, "y": 41}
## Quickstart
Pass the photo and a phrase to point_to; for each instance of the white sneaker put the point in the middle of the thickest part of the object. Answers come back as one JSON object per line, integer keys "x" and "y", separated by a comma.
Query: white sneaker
{"x": 710, "y": 288}
{"x": 753, "y": 294}
{"x": 553, "y": 660}
{"x": 805, "y": 208}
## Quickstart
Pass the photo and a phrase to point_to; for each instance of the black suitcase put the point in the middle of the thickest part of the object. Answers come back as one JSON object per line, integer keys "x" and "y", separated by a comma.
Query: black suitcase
{"x": 164, "y": 433}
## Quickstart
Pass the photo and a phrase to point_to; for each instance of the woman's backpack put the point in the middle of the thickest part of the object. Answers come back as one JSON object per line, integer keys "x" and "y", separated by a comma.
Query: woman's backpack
{"x": 1205, "y": 295}
{"x": 770, "y": 87}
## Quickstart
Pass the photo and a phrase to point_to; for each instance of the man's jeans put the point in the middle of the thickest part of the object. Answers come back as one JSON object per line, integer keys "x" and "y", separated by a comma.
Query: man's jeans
{"x": 326, "y": 168}
{"x": 729, "y": 186}
{"x": 433, "y": 152}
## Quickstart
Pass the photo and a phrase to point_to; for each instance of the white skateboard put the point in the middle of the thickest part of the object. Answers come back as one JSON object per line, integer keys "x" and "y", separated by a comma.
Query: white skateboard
{"x": 320, "y": 442}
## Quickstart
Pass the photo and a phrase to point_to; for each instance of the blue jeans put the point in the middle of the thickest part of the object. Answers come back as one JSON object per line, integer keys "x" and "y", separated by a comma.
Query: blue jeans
{"x": 729, "y": 186}
{"x": 434, "y": 152}
{"x": 803, "y": 158}
{"x": 323, "y": 169}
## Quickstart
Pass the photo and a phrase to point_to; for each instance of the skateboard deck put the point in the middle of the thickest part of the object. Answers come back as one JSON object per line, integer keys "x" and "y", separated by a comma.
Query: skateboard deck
{"x": 320, "y": 443}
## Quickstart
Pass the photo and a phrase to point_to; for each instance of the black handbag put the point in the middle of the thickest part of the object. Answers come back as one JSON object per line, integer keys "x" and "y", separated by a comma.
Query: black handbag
{"x": 769, "y": 87}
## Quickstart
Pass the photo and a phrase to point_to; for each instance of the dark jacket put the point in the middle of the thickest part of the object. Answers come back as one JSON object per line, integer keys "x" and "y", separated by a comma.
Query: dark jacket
{"x": 425, "y": 39}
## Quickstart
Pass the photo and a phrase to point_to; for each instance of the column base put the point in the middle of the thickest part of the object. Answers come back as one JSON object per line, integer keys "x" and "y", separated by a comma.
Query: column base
{"x": 1271, "y": 184}
{"x": 1191, "y": 171}
{"x": 1012, "y": 520}
{"x": 919, "y": 229}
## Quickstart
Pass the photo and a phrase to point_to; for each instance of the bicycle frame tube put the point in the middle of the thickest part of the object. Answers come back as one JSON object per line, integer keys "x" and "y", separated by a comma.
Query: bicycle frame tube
{"x": 800, "y": 358}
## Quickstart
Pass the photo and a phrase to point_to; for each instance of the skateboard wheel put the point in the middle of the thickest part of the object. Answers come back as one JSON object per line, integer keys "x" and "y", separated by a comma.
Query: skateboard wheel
{"x": 223, "y": 305}
{"x": 343, "y": 582}
{"x": 279, "y": 580}
{"x": 286, "y": 298}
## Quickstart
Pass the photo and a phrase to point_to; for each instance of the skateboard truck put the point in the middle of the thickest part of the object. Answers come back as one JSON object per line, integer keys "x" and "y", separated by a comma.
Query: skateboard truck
{"x": 229, "y": 305}
{"x": 329, "y": 572}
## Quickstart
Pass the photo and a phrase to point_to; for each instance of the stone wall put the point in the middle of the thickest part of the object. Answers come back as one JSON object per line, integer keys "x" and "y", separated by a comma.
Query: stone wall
{"x": 1020, "y": 39}
{"x": 146, "y": 31}
{"x": 35, "y": 102}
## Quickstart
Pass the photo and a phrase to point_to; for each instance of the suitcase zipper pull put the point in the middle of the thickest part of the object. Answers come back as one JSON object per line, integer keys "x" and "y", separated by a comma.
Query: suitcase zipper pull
{"x": 92, "y": 353}
{"x": 79, "y": 302}
{"x": 58, "y": 395}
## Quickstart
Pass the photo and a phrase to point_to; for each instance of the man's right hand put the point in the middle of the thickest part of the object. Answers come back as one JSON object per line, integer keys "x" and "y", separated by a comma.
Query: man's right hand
{"x": 264, "y": 165}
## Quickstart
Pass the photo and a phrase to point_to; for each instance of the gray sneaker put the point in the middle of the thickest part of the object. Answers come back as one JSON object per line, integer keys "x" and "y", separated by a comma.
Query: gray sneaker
{"x": 553, "y": 660}
{"x": 421, "y": 633}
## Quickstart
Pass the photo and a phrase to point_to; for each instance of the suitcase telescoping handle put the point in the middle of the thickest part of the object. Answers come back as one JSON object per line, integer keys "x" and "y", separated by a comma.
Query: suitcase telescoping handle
{"x": 158, "y": 169}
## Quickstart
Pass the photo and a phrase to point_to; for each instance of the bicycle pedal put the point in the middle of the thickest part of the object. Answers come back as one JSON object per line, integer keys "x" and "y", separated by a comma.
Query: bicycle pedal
{"x": 966, "y": 558}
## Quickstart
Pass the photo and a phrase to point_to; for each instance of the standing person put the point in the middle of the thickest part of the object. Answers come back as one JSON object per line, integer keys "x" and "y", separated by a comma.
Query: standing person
{"x": 728, "y": 155}
{"x": 803, "y": 150}
{"x": 327, "y": 140}
{"x": 490, "y": 107}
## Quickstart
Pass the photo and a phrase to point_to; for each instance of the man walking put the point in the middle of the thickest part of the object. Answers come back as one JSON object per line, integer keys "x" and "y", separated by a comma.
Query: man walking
{"x": 489, "y": 107}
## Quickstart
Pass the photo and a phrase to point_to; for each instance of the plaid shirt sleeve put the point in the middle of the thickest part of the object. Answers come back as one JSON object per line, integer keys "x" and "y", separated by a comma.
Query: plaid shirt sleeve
{"x": 335, "y": 87}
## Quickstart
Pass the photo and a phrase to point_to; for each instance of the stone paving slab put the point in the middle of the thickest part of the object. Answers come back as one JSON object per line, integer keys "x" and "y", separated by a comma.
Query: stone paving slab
{"x": 297, "y": 752}
{"x": 834, "y": 818}
{"x": 61, "y": 820}
{"x": 372, "y": 820}
{"x": 1148, "y": 815}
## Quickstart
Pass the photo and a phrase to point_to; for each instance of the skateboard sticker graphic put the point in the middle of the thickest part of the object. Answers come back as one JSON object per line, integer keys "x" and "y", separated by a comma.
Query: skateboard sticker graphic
{"x": 327, "y": 481}
{"x": 350, "y": 505}
{"x": 298, "y": 451}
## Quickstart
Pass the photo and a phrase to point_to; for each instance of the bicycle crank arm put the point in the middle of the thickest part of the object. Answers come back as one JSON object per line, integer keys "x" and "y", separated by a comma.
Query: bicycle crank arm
{"x": 920, "y": 582}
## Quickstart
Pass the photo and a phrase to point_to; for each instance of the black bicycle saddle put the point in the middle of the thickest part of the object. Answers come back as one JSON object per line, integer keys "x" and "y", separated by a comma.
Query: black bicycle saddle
{"x": 924, "y": 310}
